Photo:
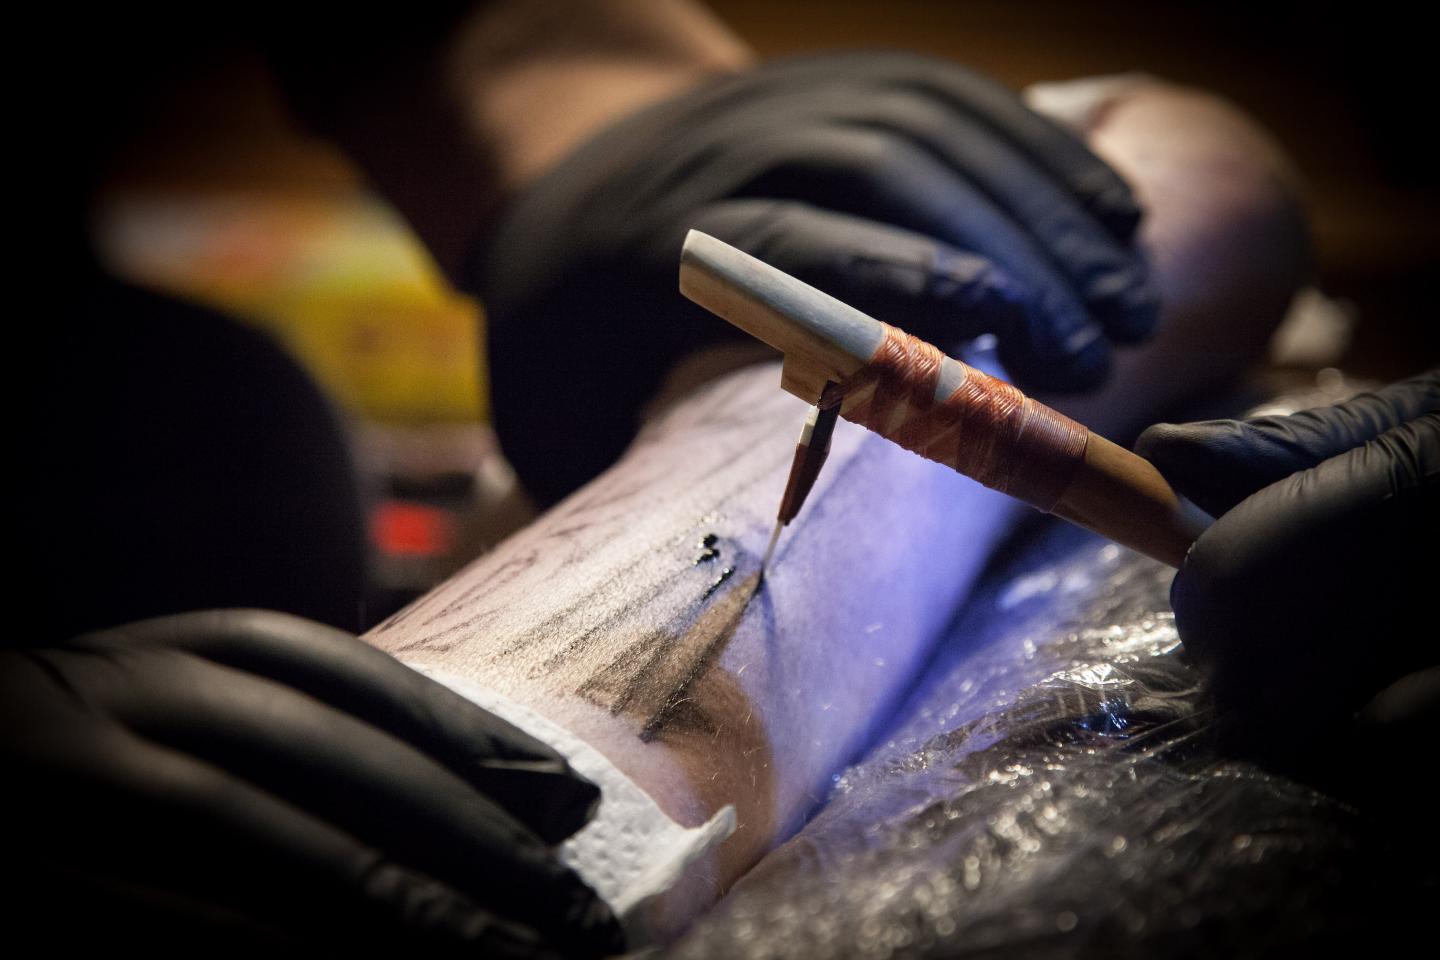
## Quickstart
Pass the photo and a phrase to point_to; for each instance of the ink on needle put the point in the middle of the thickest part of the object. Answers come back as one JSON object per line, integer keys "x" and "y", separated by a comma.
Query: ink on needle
{"x": 810, "y": 453}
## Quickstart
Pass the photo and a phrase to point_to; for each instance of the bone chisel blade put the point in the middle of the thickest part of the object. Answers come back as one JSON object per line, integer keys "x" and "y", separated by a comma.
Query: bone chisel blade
{"x": 810, "y": 453}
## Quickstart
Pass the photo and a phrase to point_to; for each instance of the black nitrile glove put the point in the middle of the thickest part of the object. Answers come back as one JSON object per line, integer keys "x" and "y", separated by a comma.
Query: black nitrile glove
{"x": 911, "y": 188}
{"x": 243, "y": 777}
{"x": 1312, "y": 596}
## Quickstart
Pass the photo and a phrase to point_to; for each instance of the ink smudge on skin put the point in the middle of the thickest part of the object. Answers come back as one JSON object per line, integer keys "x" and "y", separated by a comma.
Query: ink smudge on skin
{"x": 651, "y": 664}
{"x": 707, "y": 637}
{"x": 708, "y": 551}
{"x": 654, "y": 677}
{"x": 725, "y": 574}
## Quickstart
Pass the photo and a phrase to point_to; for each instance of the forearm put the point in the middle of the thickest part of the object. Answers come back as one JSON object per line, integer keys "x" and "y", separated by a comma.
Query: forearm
{"x": 449, "y": 119}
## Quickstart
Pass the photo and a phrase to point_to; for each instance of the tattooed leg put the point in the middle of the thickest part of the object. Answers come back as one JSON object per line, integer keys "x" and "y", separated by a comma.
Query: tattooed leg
{"x": 633, "y": 615}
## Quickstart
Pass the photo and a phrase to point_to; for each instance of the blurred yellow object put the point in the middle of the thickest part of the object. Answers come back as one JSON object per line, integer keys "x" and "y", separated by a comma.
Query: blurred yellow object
{"x": 338, "y": 278}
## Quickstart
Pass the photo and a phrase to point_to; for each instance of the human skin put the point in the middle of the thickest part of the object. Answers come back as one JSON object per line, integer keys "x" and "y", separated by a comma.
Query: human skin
{"x": 605, "y": 615}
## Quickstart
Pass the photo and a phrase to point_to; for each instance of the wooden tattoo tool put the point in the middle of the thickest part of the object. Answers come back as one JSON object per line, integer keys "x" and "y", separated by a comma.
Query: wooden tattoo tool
{"x": 853, "y": 366}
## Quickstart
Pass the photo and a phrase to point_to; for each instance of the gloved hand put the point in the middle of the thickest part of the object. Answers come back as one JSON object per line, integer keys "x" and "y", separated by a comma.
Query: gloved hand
{"x": 909, "y": 187}
{"x": 250, "y": 777}
{"x": 1311, "y": 598}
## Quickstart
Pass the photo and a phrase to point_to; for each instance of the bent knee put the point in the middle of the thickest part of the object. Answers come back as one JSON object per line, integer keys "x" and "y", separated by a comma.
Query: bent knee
{"x": 1225, "y": 222}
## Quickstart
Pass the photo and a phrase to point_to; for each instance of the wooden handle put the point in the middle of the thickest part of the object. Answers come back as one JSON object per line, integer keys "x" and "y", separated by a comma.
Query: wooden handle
{"x": 1122, "y": 496}
{"x": 1112, "y": 491}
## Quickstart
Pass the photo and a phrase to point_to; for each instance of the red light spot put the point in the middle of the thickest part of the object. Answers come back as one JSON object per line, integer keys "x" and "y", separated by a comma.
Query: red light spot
{"x": 411, "y": 529}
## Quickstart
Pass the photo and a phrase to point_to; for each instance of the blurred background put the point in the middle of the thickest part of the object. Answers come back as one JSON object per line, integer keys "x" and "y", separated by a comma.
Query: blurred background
{"x": 216, "y": 195}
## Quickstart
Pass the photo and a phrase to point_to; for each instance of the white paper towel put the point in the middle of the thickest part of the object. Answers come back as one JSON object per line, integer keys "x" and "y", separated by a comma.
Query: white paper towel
{"x": 631, "y": 851}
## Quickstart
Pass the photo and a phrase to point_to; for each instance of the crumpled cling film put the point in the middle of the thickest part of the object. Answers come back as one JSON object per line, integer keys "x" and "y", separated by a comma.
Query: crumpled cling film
{"x": 1052, "y": 789}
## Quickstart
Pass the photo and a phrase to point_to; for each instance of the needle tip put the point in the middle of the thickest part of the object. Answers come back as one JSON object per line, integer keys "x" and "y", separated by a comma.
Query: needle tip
{"x": 770, "y": 550}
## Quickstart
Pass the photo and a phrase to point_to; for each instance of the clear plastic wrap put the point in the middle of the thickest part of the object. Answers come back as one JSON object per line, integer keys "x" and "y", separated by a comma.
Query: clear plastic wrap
{"x": 1052, "y": 789}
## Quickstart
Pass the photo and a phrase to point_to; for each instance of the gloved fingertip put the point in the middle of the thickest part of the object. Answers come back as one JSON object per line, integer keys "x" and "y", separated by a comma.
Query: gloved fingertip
{"x": 1188, "y": 447}
{"x": 586, "y": 926}
{"x": 1079, "y": 362}
{"x": 1132, "y": 313}
{"x": 573, "y": 805}
{"x": 1115, "y": 207}
{"x": 1206, "y": 461}
{"x": 600, "y": 928}
{"x": 1082, "y": 342}
{"x": 1188, "y": 599}
{"x": 547, "y": 796}
{"x": 1085, "y": 363}
{"x": 1157, "y": 442}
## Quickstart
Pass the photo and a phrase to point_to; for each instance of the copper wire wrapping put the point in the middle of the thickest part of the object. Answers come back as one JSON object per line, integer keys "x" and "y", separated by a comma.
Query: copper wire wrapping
{"x": 986, "y": 429}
